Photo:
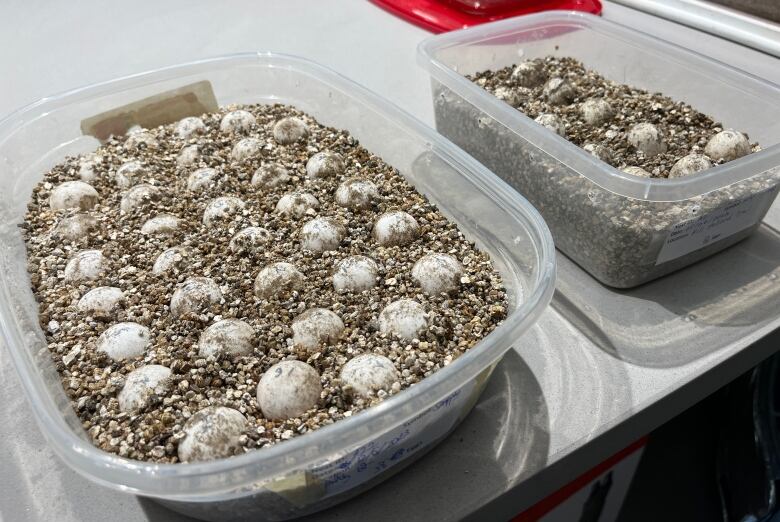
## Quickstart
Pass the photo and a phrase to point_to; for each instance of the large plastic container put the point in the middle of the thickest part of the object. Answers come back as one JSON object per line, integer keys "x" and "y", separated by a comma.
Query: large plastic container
{"x": 624, "y": 230}
{"x": 324, "y": 467}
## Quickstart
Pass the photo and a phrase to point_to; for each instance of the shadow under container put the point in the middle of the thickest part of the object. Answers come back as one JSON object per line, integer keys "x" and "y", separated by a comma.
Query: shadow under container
{"x": 622, "y": 229}
{"x": 327, "y": 466}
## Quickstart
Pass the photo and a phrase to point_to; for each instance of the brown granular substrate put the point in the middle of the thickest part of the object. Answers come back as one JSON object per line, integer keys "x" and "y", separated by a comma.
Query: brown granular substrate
{"x": 92, "y": 380}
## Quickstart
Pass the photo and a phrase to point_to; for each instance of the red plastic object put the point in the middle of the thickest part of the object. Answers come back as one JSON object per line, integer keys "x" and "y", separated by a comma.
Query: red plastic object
{"x": 446, "y": 15}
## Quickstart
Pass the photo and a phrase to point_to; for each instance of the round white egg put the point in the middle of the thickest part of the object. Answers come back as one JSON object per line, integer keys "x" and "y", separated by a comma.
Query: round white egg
{"x": 212, "y": 433}
{"x": 161, "y": 225}
{"x": 529, "y": 74}
{"x": 76, "y": 227}
{"x": 437, "y": 273}
{"x": 195, "y": 295}
{"x": 596, "y": 111}
{"x": 237, "y": 121}
{"x": 321, "y": 234}
{"x": 221, "y": 210}
{"x": 188, "y": 127}
{"x": 289, "y": 130}
{"x": 405, "y": 318}
{"x": 316, "y": 327}
{"x": 646, "y": 138}
{"x": 552, "y": 122}
{"x": 73, "y": 194}
{"x": 168, "y": 260}
{"x": 558, "y": 91}
{"x": 129, "y": 173}
{"x": 249, "y": 239}
{"x": 101, "y": 300}
{"x": 727, "y": 145}
{"x": 188, "y": 156}
{"x": 368, "y": 373}
{"x": 325, "y": 164}
{"x": 297, "y": 204}
{"x": 201, "y": 179}
{"x": 278, "y": 279}
{"x": 270, "y": 176}
{"x": 355, "y": 274}
{"x": 84, "y": 266}
{"x": 357, "y": 193}
{"x": 124, "y": 341}
{"x": 690, "y": 164}
{"x": 141, "y": 384}
{"x": 230, "y": 336}
{"x": 139, "y": 196}
{"x": 246, "y": 148}
{"x": 395, "y": 228}
{"x": 288, "y": 389}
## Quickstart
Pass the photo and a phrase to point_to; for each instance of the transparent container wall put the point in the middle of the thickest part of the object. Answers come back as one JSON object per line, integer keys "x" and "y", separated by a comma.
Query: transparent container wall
{"x": 620, "y": 240}
{"x": 623, "y": 60}
{"x": 308, "y": 473}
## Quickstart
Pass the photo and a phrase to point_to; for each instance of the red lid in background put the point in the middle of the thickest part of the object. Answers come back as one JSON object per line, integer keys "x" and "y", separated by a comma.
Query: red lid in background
{"x": 446, "y": 15}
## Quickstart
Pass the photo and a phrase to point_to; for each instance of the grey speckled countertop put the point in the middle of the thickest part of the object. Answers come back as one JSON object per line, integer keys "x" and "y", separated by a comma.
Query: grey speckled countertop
{"x": 571, "y": 394}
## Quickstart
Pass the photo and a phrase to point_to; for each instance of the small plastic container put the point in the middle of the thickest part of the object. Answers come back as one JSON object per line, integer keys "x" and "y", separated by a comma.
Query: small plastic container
{"x": 624, "y": 230}
{"x": 326, "y": 466}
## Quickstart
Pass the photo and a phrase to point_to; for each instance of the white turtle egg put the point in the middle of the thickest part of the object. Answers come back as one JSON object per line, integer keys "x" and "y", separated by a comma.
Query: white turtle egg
{"x": 646, "y": 138}
{"x": 599, "y": 151}
{"x": 288, "y": 389}
{"x": 727, "y": 145}
{"x": 201, "y": 179}
{"x": 437, "y": 273}
{"x": 212, "y": 433}
{"x": 289, "y": 130}
{"x": 558, "y": 91}
{"x": 124, "y": 341}
{"x": 237, "y": 121}
{"x": 87, "y": 167}
{"x": 84, "y": 266}
{"x": 596, "y": 111}
{"x": 321, "y": 234}
{"x": 368, "y": 373}
{"x": 270, "y": 176}
{"x": 168, "y": 260}
{"x": 76, "y": 227}
{"x": 129, "y": 173}
{"x": 141, "y": 384}
{"x": 188, "y": 156}
{"x": 161, "y": 225}
{"x": 73, "y": 194}
{"x": 316, "y": 327}
{"x": 101, "y": 300}
{"x": 511, "y": 96}
{"x": 529, "y": 74}
{"x": 246, "y": 148}
{"x": 139, "y": 196}
{"x": 690, "y": 164}
{"x": 195, "y": 295}
{"x": 249, "y": 239}
{"x": 325, "y": 164}
{"x": 297, "y": 204}
{"x": 405, "y": 318}
{"x": 552, "y": 122}
{"x": 636, "y": 171}
{"x": 221, "y": 210}
{"x": 188, "y": 127}
{"x": 230, "y": 336}
{"x": 137, "y": 136}
{"x": 355, "y": 274}
{"x": 357, "y": 193}
{"x": 278, "y": 279}
{"x": 395, "y": 228}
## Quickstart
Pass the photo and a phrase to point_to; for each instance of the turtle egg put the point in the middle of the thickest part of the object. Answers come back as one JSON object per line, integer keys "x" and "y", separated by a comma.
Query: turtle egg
{"x": 124, "y": 341}
{"x": 221, "y": 209}
{"x": 270, "y": 176}
{"x": 395, "y": 228}
{"x": 368, "y": 373}
{"x": 646, "y": 138}
{"x": 212, "y": 433}
{"x": 690, "y": 164}
{"x": 248, "y": 239}
{"x": 356, "y": 193}
{"x": 325, "y": 164}
{"x": 76, "y": 227}
{"x": 168, "y": 260}
{"x": 529, "y": 74}
{"x": 73, "y": 194}
{"x": 188, "y": 156}
{"x": 129, "y": 174}
{"x": 288, "y": 389}
{"x": 596, "y": 111}
{"x": 321, "y": 234}
{"x": 101, "y": 301}
{"x": 552, "y": 122}
{"x": 201, "y": 179}
{"x": 237, "y": 121}
{"x": 599, "y": 151}
{"x": 230, "y": 336}
{"x": 297, "y": 204}
{"x": 511, "y": 96}
{"x": 141, "y": 384}
{"x": 437, "y": 273}
{"x": 316, "y": 327}
{"x": 558, "y": 91}
{"x": 87, "y": 168}
{"x": 187, "y": 127}
{"x": 85, "y": 265}
{"x": 727, "y": 145}
{"x": 139, "y": 136}
{"x": 246, "y": 148}
{"x": 405, "y": 318}
{"x": 355, "y": 274}
{"x": 195, "y": 295}
{"x": 278, "y": 279}
{"x": 290, "y": 130}
{"x": 161, "y": 225}
{"x": 138, "y": 196}
{"x": 636, "y": 171}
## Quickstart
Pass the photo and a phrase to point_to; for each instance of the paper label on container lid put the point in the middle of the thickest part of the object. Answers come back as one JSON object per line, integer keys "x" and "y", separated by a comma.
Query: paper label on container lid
{"x": 695, "y": 233}
{"x": 166, "y": 107}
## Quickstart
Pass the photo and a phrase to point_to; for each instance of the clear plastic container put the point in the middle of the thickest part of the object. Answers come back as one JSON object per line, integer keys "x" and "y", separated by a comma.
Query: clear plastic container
{"x": 624, "y": 230}
{"x": 324, "y": 467}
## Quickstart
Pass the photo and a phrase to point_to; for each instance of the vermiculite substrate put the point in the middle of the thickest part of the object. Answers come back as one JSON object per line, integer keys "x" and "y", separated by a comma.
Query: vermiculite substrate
{"x": 230, "y": 281}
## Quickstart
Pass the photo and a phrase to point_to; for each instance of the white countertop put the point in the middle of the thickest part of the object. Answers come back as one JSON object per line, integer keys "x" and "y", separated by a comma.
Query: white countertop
{"x": 589, "y": 399}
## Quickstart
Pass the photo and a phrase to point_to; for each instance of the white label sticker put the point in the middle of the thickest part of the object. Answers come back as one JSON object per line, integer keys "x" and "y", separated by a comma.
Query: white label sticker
{"x": 695, "y": 233}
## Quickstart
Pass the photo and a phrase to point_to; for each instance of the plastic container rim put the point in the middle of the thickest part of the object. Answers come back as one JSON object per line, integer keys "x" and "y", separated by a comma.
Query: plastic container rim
{"x": 597, "y": 171}
{"x": 148, "y": 478}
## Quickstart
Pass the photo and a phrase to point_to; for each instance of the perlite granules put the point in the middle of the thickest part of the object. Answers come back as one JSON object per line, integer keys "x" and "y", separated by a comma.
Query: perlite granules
{"x": 180, "y": 264}
{"x": 616, "y": 238}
